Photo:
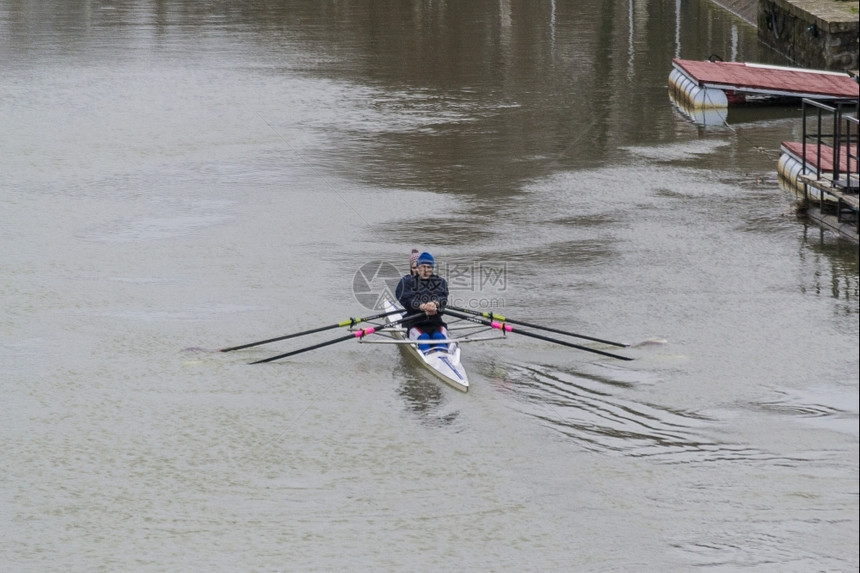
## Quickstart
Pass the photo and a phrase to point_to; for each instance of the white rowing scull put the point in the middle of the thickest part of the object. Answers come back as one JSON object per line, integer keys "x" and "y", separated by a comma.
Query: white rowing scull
{"x": 443, "y": 358}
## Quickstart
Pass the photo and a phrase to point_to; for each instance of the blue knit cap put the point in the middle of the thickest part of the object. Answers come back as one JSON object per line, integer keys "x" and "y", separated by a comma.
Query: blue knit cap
{"x": 426, "y": 258}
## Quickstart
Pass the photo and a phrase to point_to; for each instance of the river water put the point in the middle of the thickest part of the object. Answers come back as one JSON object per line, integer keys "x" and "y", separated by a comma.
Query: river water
{"x": 178, "y": 177}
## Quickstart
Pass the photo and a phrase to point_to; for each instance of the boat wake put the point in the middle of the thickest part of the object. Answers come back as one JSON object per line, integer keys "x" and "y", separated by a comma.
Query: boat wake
{"x": 650, "y": 342}
{"x": 198, "y": 349}
{"x": 591, "y": 410}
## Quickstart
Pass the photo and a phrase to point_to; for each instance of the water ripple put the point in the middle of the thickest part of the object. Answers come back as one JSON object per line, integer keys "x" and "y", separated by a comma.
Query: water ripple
{"x": 587, "y": 409}
{"x": 829, "y": 409}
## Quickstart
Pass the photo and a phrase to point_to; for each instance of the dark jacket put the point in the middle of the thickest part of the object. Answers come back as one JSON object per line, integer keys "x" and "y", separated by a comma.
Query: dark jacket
{"x": 412, "y": 292}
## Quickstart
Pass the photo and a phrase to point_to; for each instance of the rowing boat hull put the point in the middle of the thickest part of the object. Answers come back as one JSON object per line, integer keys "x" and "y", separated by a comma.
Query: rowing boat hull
{"x": 443, "y": 363}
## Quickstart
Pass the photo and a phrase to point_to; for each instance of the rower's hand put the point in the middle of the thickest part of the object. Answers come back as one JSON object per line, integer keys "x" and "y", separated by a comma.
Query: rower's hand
{"x": 428, "y": 307}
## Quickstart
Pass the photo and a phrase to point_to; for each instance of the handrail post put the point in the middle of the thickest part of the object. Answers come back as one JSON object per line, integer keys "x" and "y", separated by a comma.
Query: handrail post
{"x": 818, "y": 157}
{"x": 803, "y": 151}
{"x": 837, "y": 142}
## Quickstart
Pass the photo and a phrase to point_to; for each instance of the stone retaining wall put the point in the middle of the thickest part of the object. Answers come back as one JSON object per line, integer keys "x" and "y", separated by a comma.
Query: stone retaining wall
{"x": 815, "y": 34}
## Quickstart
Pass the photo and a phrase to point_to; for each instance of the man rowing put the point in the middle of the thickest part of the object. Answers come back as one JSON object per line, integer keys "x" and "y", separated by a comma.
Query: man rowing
{"x": 424, "y": 292}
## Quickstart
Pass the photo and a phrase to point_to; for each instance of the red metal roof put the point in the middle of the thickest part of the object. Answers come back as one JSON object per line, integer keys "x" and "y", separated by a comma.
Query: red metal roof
{"x": 822, "y": 156}
{"x": 740, "y": 76}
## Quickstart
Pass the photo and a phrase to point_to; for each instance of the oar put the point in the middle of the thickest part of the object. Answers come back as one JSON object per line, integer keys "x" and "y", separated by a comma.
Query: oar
{"x": 508, "y": 328}
{"x": 357, "y": 334}
{"x": 348, "y": 322}
{"x": 492, "y": 316}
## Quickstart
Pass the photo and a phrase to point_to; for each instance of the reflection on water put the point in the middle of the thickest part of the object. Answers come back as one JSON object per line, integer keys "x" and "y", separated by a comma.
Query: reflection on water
{"x": 834, "y": 265}
{"x": 545, "y": 82}
{"x": 423, "y": 394}
{"x": 707, "y": 117}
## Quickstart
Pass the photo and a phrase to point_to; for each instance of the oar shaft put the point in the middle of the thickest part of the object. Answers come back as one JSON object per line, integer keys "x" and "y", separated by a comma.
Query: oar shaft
{"x": 285, "y": 337}
{"x": 563, "y": 342}
{"x": 314, "y": 347}
{"x": 357, "y": 334}
{"x": 508, "y": 328}
{"x": 347, "y": 322}
{"x": 493, "y": 316}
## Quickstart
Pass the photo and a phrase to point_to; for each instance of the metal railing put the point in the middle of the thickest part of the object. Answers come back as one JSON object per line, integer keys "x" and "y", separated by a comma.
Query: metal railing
{"x": 842, "y": 140}
{"x": 835, "y": 135}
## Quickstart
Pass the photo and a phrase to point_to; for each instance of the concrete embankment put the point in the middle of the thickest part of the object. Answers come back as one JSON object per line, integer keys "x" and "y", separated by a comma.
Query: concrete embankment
{"x": 817, "y": 34}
